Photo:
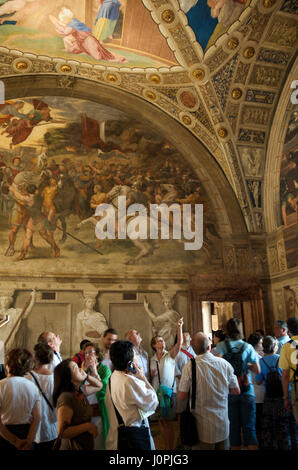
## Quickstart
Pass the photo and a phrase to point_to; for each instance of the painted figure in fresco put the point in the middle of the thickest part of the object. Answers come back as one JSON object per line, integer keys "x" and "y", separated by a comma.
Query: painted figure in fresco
{"x": 106, "y": 19}
{"x": 20, "y": 129}
{"x": 90, "y": 324}
{"x": 36, "y": 219}
{"x": 11, "y": 315}
{"x": 18, "y": 215}
{"x": 48, "y": 194}
{"x": 78, "y": 38}
{"x": 289, "y": 186}
{"x": 204, "y": 16}
{"x": 227, "y": 11}
{"x": 10, "y": 109}
{"x": 164, "y": 325}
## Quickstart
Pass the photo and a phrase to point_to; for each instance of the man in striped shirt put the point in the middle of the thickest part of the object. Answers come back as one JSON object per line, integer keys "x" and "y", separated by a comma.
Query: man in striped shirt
{"x": 215, "y": 379}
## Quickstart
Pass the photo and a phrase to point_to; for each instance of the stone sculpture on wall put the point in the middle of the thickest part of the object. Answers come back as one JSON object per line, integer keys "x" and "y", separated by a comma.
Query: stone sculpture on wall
{"x": 90, "y": 324}
{"x": 10, "y": 328}
{"x": 165, "y": 324}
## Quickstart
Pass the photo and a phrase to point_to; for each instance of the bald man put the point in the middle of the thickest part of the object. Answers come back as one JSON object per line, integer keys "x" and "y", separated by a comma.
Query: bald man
{"x": 215, "y": 380}
{"x": 54, "y": 341}
{"x": 135, "y": 338}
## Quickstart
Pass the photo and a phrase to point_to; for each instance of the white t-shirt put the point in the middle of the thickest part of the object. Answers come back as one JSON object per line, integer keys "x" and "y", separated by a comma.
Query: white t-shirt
{"x": 166, "y": 371}
{"x": 47, "y": 429}
{"x": 17, "y": 399}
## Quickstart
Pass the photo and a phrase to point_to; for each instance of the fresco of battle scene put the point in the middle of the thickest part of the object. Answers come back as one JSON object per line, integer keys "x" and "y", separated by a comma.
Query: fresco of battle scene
{"x": 59, "y": 159}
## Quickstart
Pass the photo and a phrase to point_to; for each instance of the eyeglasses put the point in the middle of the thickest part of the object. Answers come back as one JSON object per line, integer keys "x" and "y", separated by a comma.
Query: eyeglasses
{"x": 87, "y": 353}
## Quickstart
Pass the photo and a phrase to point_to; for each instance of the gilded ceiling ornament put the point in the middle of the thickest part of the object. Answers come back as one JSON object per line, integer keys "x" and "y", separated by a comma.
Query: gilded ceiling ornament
{"x": 236, "y": 93}
{"x": 150, "y": 95}
{"x": 186, "y": 120}
{"x": 249, "y": 52}
{"x": 222, "y": 132}
{"x": 168, "y": 16}
{"x": 112, "y": 78}
{"x": 268, "y": 3}
{"x": 155, "y": 79}
{"x": 233, "y": 43}
{"x": 21, "y": 65}
{"x": 199, "y": 74}
{"x": 66, "y": 69}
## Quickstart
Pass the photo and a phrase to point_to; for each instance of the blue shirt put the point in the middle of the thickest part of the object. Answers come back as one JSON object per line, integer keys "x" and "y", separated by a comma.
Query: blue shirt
{"x": 249, "y": 356}
{"x": 281, "y": 341}
{"x": 272, "y": 362}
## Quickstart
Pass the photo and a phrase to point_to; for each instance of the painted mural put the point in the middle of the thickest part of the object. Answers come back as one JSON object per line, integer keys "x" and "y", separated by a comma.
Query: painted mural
{"x": 59, "y": 160}
{"x": 289, "y": 173}
{"x": 289, "y": 191}
{"x": 209, "y": 19}
{"x": 95, "y": 31}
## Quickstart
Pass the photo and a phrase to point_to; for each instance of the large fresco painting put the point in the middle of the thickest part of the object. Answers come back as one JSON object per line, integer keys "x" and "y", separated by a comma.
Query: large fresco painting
{"x": 289, "y": 190}
{"x": 60, "y": 158}
{"x": 109, "y": 32}
{"x": 209, "y": 19}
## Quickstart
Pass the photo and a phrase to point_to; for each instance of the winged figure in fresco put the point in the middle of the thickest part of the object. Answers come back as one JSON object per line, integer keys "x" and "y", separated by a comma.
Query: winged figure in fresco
{"x": 20, "y": 129}
{"x": 10, "y": 109}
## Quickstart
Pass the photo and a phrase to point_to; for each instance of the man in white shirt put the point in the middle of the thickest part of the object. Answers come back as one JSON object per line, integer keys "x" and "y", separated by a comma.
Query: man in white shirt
{"x": 109, "y": 337}
{"x": 215, "y": 379}
{"x": 54, "y": 341}
{"x": 142, "y": 356}
{"x": 132, "y": 396}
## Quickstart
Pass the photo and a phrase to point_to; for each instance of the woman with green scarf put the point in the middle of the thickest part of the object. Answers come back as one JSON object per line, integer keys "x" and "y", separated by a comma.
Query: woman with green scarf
{"x": 92, "y": 365}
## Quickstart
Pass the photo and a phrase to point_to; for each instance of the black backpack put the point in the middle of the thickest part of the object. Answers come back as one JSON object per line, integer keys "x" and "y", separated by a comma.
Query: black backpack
{"x": 273, "y": 381}
{"x": 234, "y": 357}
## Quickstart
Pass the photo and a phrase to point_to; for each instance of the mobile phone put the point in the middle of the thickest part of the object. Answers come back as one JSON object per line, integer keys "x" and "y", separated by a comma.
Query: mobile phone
{"x": 131, "y": 368}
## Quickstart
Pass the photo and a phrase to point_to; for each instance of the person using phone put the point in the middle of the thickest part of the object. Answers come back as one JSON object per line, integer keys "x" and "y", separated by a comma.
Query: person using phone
{"x": 130, "y": 394}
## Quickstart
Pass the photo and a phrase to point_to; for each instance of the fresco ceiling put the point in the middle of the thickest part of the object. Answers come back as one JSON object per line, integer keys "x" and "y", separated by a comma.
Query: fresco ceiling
{"x": 216, "y": 67}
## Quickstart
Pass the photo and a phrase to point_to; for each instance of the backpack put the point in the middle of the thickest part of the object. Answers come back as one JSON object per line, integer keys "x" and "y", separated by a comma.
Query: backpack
{"x": 273, "y": 381}
{"x": 234, "y": 357}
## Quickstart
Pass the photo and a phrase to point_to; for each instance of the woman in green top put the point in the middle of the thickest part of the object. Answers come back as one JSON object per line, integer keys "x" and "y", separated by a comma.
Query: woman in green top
{"x": 92, "y": 365}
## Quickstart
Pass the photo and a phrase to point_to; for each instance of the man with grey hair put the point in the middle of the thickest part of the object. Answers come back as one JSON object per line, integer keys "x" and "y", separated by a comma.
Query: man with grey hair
{"x": 135, "y": 338}
{"x": 215, "y": 380}
{"x": 281, "y": 333}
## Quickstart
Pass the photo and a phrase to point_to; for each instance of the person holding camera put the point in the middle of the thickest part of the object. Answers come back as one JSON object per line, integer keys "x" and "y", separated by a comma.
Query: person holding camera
{"x": 130, "y": 400}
